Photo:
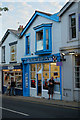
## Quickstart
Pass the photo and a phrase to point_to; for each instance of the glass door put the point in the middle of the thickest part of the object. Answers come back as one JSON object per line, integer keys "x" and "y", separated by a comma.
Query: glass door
{"x": 39, "y": 80}
{"x": 39, "y": 84}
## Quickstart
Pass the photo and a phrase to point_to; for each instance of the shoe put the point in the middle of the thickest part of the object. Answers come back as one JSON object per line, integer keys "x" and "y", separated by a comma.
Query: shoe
{"x": 48, "y": 98}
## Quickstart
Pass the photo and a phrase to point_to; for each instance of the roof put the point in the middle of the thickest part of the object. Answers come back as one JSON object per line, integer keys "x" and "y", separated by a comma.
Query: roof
{"x": 17, "y": 33}
{"x": 66, "y": 6}
{"x": 53, "y": 17}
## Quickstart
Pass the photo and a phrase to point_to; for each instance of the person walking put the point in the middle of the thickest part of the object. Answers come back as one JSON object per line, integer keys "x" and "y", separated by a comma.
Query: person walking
{"x": 8, "y": 88}
{"x": 51, "y": 87}
{"x": 13, "y": 87}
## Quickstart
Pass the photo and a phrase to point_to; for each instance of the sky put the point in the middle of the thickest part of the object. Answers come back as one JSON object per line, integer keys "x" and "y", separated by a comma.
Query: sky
{"x": 20, "y": 12}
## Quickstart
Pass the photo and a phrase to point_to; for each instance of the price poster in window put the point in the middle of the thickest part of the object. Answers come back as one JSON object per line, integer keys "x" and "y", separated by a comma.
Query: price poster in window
{"x": 26, "y": 79}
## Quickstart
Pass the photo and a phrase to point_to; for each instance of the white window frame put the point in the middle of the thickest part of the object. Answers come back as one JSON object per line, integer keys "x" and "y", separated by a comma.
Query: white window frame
{"x": 69, "y": 25}
{"x": 13, "y": 53}
{"x": 75, "y": 79}
{"x": 3, "y": 54}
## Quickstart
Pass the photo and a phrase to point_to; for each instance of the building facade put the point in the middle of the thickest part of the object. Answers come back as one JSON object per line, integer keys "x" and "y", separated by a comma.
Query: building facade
{"x": 70, "y": 50}
{"x": 11, "y": 60}
{"x": 42, "y": 57}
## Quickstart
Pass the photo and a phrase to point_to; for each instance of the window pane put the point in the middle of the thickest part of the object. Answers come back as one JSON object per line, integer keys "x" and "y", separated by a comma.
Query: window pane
{"x": 39, "y": 68}
{"x": 33, "y": 67}
{"x": 45, "y": 66}
{"x": 47, "y": 40}
{"x": 33, "y": 79}
{"x": 33, "y": 76}
{"x": 13, "y": 53}
{"x": 12, "y": 49}
{"x": 40, "y": 45}
{"x": 55, "y": 73}
{"x": 73, "y": 26}
{"x": 74, "y": 32}
{"x": 73, "y": 20}
{"x": 45, "y": 79}
{"x": 39, "y": 38}
{"x": 39, "y": 35}
{"x": 45, "y": 75}
{"x": 77, "y": 71}
{"x": 12, "y": 57}
{"x": 27, "y": 45}
{"x": 3, "y": 54}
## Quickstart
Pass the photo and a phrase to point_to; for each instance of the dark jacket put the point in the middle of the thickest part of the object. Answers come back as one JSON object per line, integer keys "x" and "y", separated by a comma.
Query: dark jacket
{"x": 12, "y": 84}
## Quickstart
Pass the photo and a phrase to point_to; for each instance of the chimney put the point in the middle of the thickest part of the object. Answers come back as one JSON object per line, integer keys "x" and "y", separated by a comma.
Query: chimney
{"x": 20, "y": 28}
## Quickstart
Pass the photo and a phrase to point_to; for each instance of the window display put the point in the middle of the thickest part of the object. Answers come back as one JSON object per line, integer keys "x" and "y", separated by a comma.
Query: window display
{"x": 33, "y": 76}
{"x": 16, "y": 76}
{"x": 45, "y": 71}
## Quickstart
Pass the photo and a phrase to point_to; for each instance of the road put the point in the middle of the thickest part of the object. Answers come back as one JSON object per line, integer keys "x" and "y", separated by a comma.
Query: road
{"x": 19, "y": 108}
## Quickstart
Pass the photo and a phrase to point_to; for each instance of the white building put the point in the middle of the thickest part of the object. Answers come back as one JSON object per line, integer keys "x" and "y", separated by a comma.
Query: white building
{"x": 11, "y": 59}
{"x": 70, "y": 48}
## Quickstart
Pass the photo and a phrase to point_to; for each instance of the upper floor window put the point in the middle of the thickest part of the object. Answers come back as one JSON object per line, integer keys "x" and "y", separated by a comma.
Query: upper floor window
{"x": 3, "y": 53}
{"x": 13, "y": 52}
{"x": 72, "y": 26}
{"x": 39, "y": 38}
{"x": 27, "y": 44}
{"x": 43, "y": 40}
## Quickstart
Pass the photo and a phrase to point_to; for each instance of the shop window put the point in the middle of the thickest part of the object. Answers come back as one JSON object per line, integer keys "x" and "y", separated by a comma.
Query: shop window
{"x": 43, "y": 39}
{"x": 77, "y": 71}
{"x": 45, "y": 75}
{"x": 27, "y": 44}
{"x": 3, "y": 54}
{"x": 13, "y": 53}
{"x": 16, "y": 76}
{"x": 55, "y": 73}
{"x": 33, "y": 76}
{"x": 72, "y": 26}
{"x": 18, "y": 79}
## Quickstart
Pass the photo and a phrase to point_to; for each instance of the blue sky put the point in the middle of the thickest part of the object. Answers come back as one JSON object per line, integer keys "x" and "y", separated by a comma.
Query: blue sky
{"x": 20, "y": 12}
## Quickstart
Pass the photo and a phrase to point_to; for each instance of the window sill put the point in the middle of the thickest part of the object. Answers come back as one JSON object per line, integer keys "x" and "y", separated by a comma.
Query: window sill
{"x": 4, "y": 62}
{"x": 13, "y": 62}
{"x": 72, "y": 40}
{"x": 76, "y": 89}
{"x": 43, "y": 52}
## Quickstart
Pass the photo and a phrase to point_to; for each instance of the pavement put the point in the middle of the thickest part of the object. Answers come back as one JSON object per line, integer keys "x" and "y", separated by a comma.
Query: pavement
{"x": 72, "y": 104}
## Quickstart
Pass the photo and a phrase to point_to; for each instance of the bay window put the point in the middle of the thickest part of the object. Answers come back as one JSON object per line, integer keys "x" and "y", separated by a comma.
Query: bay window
{"x": 43, "y": 39}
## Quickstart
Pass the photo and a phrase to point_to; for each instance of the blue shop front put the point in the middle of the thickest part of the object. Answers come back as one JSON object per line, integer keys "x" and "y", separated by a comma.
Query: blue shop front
{"x": 36, "y": 73}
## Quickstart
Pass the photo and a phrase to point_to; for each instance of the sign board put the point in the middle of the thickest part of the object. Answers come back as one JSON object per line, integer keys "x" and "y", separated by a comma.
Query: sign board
{"x": 10, "y": 67}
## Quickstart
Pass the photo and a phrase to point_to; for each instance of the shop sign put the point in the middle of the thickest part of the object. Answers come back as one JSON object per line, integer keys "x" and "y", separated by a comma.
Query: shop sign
{"x": 26, "y": 79}
{"x": 10, "y": 67}
{"x": 41, "y": 59}
{"x": 79, "y": 22}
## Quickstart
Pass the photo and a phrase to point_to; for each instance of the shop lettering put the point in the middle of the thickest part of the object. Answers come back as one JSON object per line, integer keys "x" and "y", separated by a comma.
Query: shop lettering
{"x": 26, "y": 79}
{"x": 10, "y": 67}
{"x": 40, "y": 59}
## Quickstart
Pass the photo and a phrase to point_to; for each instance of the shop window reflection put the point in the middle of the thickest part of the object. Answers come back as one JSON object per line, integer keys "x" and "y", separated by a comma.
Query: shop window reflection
{"x": 55, "y": 73}
{"x": 33, "y": 76}
{"x": 45, "y": 75}
{"x": 16, "y": 76}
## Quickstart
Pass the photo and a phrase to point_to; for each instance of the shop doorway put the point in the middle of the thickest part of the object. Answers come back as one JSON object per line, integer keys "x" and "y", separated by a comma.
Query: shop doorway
{"x": 39, "y": 84}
